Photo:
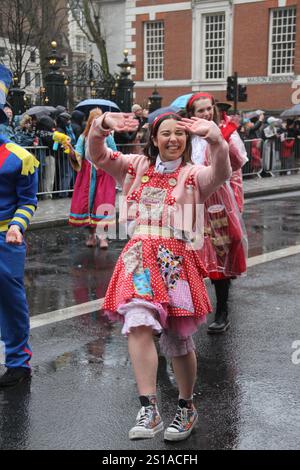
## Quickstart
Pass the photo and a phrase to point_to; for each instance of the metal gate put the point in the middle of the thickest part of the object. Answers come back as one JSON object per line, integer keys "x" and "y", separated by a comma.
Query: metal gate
{"x": 89, "y": 81}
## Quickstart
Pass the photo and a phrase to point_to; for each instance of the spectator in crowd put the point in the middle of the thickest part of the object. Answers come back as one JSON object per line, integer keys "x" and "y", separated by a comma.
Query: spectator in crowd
{"x": 138, "y": 112}
{"x": 45, "y": 128}
{"x": 64, "y": 170}
{"x": 126, "y": 141}
{"x": 77, "y": 123}
{"x": 24, "y": 134}
{"x": 272, "y": 143}
{"x": 255, "y": 126}
{"x": 7, "y": 126}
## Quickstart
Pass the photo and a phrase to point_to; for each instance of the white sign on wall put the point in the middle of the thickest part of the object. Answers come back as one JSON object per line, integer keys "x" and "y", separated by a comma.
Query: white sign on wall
{"x": 270, "y": 79}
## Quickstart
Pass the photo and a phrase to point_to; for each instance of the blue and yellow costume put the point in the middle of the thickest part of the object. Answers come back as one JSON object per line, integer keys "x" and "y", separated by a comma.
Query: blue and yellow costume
{"x": 18, "y": 201}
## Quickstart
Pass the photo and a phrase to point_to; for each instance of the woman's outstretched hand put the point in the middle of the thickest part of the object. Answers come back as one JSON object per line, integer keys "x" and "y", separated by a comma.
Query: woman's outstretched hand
{"x": 120, "y": 122}
{"x": 201, "y": 127}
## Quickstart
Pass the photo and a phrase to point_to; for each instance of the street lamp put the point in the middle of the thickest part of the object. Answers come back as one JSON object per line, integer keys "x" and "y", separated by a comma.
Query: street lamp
{"x": 55, "y": 80}
{"x": 54, "y": 59}
{"x": 15, "y": 80}
{"x": 16, "y": 96}
{"x": 125, "y": 66}
{"x": 124, "y": 88}
{"x": 154, "y": 100}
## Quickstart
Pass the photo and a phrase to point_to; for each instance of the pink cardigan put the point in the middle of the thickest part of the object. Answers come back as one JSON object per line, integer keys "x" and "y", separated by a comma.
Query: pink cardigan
{"x": 195, "y": 183}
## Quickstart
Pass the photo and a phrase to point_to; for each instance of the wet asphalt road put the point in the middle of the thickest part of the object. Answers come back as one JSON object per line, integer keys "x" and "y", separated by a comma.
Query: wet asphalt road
{"x": 83, "y": 396}
{"x": 62, "y": 272}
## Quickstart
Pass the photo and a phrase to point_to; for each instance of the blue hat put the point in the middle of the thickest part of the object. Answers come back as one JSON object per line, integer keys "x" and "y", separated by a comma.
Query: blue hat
{"x": 5, "y": 81}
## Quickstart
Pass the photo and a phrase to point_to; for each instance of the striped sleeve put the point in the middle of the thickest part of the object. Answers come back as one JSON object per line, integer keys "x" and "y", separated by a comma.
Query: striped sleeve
{"x": 26, "y": 189}
{"x": 23, "y": 216}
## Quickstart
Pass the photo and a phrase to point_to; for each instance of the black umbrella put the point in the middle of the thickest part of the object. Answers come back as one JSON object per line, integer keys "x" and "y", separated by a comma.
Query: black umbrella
{"x": 40, "y": 110}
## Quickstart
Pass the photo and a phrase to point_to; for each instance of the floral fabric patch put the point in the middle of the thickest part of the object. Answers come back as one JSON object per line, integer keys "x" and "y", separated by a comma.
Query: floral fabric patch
{"x": 142, "y": 283}
{"x": 170, "y": 266}
{"x": 133, "y": 259}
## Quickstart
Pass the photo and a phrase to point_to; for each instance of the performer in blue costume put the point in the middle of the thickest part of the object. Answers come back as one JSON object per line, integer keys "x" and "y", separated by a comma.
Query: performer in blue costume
{"x": 18, "y": 201}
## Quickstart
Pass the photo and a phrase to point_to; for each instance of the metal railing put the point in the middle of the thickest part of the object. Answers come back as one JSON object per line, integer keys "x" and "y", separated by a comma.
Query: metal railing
{"x": 273, "y": 156}
{"x": 57, "y": 177}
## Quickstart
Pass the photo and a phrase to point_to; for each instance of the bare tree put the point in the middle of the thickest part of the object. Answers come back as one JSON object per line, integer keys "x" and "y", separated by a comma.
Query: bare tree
{"x": 18, "y": 35}
{"x": 90, "y": 12}
{"x": 49, "y": 20}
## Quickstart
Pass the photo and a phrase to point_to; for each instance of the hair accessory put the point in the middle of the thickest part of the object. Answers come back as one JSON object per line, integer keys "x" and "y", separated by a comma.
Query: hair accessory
{"x": 160, "y": 116}
{"x": 198, "y": 96}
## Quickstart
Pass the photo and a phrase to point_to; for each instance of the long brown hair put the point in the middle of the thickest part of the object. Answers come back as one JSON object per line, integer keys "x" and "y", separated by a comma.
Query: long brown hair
{"x": 151, "y": 151}
{"x": 190, "y": 107}
{"x": 94, "y": 113}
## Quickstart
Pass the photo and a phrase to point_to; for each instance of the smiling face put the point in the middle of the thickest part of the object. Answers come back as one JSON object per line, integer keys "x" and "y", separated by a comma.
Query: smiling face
{"x": 203, "y": 109}
{"x": 171, "y": 142}
{"x": 8, "y": 112}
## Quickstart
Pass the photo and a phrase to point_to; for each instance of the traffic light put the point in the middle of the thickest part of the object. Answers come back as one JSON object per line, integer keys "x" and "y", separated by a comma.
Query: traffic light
{"x": 231, "y": 88}
{"x": 242, "y": 93}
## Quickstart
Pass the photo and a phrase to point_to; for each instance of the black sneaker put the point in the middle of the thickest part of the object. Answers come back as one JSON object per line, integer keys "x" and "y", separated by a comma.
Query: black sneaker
{"x": 14, "y": 376}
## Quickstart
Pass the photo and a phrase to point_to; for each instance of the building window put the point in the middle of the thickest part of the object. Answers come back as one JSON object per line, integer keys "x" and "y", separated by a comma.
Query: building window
{"x": 154, "y": 40}
{"x": 65, "y": 61}
{"x": 27, "y": 78}
{"x": 32, "y": 56}
{"x": 214, "y": 46}
{"x": 37, "y": 80}
{"x": 78, "y": 43}
{"x": 81, "y": 44}
{"x": 282, "y": 40}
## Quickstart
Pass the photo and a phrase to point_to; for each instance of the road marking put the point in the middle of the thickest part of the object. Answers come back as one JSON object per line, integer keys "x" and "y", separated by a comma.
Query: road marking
{"x": 65, "y": 313}
{"x": 89, "y": 307}
{"x": 273, "y": 255}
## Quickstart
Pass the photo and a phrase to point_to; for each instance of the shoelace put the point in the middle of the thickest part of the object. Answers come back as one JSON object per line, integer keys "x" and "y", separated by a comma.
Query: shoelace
{"x": 180, "y": 417}
{"x": 144, "y": 413}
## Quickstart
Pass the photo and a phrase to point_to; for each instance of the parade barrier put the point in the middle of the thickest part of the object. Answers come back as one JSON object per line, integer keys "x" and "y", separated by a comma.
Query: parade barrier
{"x": 56, "y": 176}
{"x": 281, "y": 156}
{"x": 254, "y": 149}
{"x": 275, "y": 157}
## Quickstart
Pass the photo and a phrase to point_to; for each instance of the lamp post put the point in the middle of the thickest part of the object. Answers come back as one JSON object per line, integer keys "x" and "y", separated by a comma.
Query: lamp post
{"x": 54, "y": 80}
{"x": 16, "y": 96}
{"x": 154, "y": 100}
{"x": 124, "y": 88}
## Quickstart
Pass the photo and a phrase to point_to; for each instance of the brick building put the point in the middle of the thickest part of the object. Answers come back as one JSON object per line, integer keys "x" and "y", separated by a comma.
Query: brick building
{"x": 183, "y": 46}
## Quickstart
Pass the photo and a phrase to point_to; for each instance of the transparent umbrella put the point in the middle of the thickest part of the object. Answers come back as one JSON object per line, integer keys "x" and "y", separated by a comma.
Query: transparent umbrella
{"x": 105, "y": 105}
{"x": 294, "y": 111}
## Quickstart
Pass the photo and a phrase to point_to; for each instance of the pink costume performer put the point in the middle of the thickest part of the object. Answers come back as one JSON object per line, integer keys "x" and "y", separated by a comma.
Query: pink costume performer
{"x": 159, "y": 269}
{"x": 157, "y": 285}
{"x": 224, "y": 252}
